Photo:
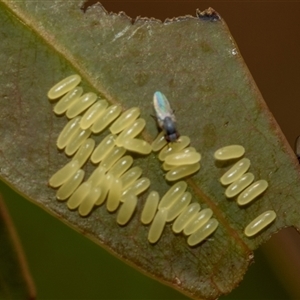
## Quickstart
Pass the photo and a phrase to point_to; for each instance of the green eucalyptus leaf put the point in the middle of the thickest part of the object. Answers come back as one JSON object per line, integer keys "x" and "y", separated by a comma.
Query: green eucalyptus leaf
{"x": 197, "y": 65}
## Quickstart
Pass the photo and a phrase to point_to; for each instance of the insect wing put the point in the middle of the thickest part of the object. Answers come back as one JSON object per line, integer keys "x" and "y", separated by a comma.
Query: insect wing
{"x": 162, "y": 107}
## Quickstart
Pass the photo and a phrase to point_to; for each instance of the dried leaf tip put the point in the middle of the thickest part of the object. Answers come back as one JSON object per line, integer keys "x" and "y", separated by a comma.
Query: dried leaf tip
{"x": 208, "y": 14}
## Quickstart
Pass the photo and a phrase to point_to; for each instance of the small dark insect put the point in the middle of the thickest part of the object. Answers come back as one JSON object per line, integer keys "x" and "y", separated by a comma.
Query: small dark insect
{"x": 165, "y": 117}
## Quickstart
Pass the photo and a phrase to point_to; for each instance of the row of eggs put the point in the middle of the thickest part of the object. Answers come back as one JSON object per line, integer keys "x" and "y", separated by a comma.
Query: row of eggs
{"x": 239, "y": 184}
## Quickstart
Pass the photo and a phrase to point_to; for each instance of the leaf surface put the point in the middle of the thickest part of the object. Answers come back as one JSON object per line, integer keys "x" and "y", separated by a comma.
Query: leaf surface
{"x": 197, "y": 65}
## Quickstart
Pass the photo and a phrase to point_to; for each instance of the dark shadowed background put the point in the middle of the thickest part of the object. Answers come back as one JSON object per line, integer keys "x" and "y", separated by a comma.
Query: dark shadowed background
{"x": 65, "y": 265}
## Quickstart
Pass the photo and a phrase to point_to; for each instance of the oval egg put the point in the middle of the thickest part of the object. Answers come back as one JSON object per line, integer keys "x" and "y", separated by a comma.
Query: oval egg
{"x": 127, "y": 209}
{"x": 80, "y": 105}
{"x": 157, "y": 226}
{"x": 137, "y": 145}
{"x": 67, "y": 100}
{"x": 94, "y": 112}
{"x": 203, "y": 232}
{"x": 63, "y": 174}
{"x": 251, "y": 192}
{"x": 229, "y": 152}
{"x": 259, "y": 223}
{"x": 64, "y": 86}
{"x": 102, "y": 150}
{"x": 109, "y": 115}
{"x": 172, "y": 194}
{"x": 239, "y": 185}
{"x": 130, "y": 132}
{"x": 181, "y": 158}
{"x": 68, "y": 131}
{"x": 68, "y": 188}
{"x": 150, "y": 208}
{"x": 79, "y": 195}
{"x": 185, "y": 217}
{"x": 126, "y": 118}
{"x": 89, "y": 201}
{"x": 159, "y": 142}
{"x": 236, "y": 171}
{"x": 178, "y": 206}
{"x": 182, "y": 171}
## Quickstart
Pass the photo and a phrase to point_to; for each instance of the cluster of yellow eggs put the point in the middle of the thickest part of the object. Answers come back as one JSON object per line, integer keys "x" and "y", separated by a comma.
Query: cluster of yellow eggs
{"x": 118, "y": 184}
{"x": 240, "y": 184}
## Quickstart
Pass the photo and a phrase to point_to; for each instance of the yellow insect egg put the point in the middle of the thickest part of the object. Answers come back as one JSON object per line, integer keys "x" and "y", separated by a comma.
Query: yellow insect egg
{"x": 182, "y": 171}
{"x": 94, "y": 112}
{"x": 84, "y": 151}
{"x": 126, "y": 119}
{"x": 67, "y": 100}
{"x": 131, "y": 176}
{"x": 109, "y": 115}
{"x": 76, "y": 140}
{"x": 187, "y": 150}
{"x": 239, "y": 185}
{"x": 203, "y": 232}
{"x": 137, "y": 145}
{"x": 112, "y": 157}
{"x": 185, "y": 217}
{"x": 68, "y": 188}
{"x": 121, "y": 166}
{"x": 78, "y": 196}
{"x": 102, "y": 150}
{"x": 253, "y": 191}
{"x": 157, "y": 226}
{"x": 66, "y": 134}
{"x": 64, "y": 86}
{"x": 172, "y": 194}
{"x": 198, "y": 220}
{"x": 127, "y": 209}
{"x": 259, "y": 223}
{"x": 114, "y": 195}
{"x": 178, "y": 206}
{"x": 167, "y": 167}
{"x": 89, "y": 201}
{"x": 85, "y": 101}
{"x": 97, "y": 176}
{"x": 180, "y": 158}
{"x": 159, "y": 142}
{"x": 130, "y": 132}
{"x": 137, "y": 187}
{"x": 172, "y": 148}
{"x": 150, "y": 208}
{"x": 105, "y": 185}
{"x": 229, "y": 152}
{"x": 236, "y": 171}
{"x": 65, "y": 173}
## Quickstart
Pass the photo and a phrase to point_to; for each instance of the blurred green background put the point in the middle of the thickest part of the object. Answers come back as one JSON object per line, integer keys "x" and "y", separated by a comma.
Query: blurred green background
{"x": 66, "y": 265}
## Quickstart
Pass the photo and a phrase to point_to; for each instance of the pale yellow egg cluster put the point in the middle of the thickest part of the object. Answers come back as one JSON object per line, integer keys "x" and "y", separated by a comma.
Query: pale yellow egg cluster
{"x": 176, "y": 206}
{"x": 240, "y": 184}
{"x": 113, "y": 180}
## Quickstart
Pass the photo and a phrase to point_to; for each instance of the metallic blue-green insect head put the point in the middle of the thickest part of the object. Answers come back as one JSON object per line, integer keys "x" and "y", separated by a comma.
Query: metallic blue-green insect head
{"x": 165, "y": 117}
